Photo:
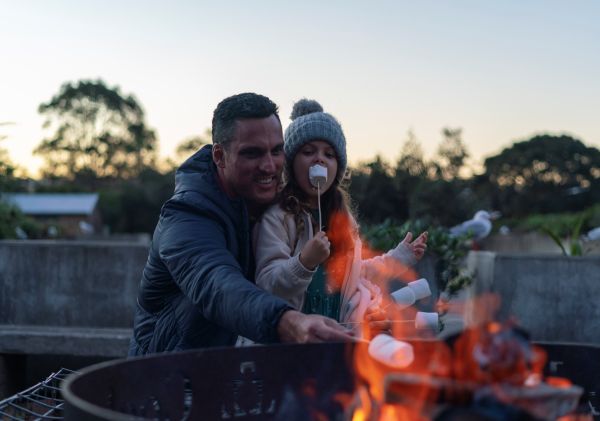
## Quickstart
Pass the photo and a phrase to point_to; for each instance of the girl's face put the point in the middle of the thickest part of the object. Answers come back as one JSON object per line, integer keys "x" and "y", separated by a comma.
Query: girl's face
{"x": 315, "y": 152}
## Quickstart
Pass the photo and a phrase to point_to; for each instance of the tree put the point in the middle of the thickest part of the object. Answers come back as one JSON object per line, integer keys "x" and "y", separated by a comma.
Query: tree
{"x": 545, "y": 174}
{"x": 133, "y": 205}
{"x": 411, "y": 159}
{"x": 452, "y": 154}
{"x": 373, "y": 190}
{"x": 96, "y": 130}
{"x": 193, "y": 144}
{"x": 410, "y": 170}
{"x": 7, "y": 169}
{"x": 443, "y": 202}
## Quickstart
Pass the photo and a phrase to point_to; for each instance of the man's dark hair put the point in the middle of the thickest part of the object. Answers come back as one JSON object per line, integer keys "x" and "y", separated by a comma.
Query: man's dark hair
{"x": 246, "y": 105}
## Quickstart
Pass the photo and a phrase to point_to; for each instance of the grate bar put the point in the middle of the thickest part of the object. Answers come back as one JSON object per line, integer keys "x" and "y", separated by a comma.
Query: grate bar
{"x": 42, "y": 401}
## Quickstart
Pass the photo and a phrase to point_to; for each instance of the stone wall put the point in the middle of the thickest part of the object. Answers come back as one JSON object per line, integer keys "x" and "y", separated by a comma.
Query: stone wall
{"x": 69, "y": 283}
{"x": 532, "y": 243}
{"x": 64, "y": 304}
{"x": 555, "y": 298}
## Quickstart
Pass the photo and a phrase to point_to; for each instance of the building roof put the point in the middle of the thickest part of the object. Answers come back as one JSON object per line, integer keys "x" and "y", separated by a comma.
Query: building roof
{"x": 53, "y": 203}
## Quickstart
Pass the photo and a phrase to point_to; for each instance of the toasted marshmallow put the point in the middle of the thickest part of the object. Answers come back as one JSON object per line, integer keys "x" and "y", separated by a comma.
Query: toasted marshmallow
{"x": 424, "y": 320}
{"x": 404, "y": 297}
{"x": 390, "y": 351}
{"x": 317, "y": 175}
{"x": 421, "y": 288}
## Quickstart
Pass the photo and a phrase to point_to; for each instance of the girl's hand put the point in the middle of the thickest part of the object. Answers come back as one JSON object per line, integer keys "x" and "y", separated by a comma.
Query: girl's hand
{"x": 418, "y": 246}
{"x": 377, "y": 322}
{"x": 315, "y": 251}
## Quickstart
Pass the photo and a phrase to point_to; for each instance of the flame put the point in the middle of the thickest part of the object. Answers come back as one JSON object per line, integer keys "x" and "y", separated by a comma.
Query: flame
{"x": 487, "y": 353}
{"x": 493, "y": 354}
{"x": 342, "y": 233}
{"x": 559, "y": 382}
{"x": 395, "y": 413}
{"x": 359, "y": 415}
{"x": 577, "y": 417}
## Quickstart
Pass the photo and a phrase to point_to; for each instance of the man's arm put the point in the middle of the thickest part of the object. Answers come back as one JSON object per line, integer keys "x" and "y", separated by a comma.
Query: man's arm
{"x": 194, "y": 250}
{"x": 194, "y": 247}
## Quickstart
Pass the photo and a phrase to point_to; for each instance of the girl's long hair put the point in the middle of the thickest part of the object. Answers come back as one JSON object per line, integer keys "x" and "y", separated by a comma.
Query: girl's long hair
{"x": 338, "y": 220}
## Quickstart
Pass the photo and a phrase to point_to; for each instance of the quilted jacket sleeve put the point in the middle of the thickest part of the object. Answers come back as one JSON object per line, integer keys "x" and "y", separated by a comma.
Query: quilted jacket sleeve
{"x": 194, "y": 248}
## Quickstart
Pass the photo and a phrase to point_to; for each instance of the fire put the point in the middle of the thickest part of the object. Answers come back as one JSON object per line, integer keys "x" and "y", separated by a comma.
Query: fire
{"x": 489, "y": 359}
{"x": 359, "y": 415}
{"x": 342, "y": 233}
{"x": 559, "y": 382}
{"x": 493, "y": 360}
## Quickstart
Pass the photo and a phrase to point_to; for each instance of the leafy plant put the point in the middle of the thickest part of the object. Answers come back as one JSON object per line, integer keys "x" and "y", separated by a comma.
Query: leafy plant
{"x": 13, "y": 221}
{"x": 575, "y": 247}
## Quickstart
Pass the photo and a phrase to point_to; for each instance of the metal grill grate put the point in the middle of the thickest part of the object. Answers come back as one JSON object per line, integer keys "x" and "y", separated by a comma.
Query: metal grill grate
{"x": 42, "y": 401}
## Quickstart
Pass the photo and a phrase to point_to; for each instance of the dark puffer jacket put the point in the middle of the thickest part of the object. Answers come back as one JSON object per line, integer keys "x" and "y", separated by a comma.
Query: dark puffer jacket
{"x": 195, "y": 290}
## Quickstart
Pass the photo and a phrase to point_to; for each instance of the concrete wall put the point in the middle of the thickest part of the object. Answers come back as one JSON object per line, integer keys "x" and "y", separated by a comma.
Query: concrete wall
{"x": 69, "y": 283}
{"x": 64, "y": 304}
{"x": 80, "y": 285}
{"x": 532, "y": 243}
{"x": 553, "y": 297}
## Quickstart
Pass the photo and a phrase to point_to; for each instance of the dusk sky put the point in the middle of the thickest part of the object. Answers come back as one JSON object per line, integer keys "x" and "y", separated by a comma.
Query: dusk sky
{"x": 501, "y": 70}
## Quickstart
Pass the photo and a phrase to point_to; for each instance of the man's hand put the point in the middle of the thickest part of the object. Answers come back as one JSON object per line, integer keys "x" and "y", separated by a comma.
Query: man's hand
{"x": 315, "y": 251}
{"x": 296, "y": 327}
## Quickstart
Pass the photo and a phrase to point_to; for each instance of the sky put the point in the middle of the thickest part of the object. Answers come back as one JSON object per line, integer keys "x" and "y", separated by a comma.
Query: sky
{"x": 500, "y": 70}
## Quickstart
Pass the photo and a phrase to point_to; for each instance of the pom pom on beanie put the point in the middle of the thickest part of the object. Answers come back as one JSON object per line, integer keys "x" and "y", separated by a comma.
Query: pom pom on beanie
{"x": 305, "y": 106}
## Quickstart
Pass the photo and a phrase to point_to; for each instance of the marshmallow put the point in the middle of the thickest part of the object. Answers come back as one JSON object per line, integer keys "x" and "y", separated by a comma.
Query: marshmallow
{"x": 317, "y": 175}
{"x": 404, "y": 297}
{"x": 390, "y": 351}
{"x": 425, "y": 320}
{"x": 421, "y": 288}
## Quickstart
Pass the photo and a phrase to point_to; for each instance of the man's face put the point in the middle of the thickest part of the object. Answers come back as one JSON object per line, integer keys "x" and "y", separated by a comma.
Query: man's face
{"x": 250, "y": 167}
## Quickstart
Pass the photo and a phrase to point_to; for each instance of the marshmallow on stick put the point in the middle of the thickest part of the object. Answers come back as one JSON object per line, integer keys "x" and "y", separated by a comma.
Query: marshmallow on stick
{"x": 390, "y": 351}
{"x": 317, "y": 175}
{"x": 425, "y": 320}
{"x": 421, "y": 288}
{"x": 404, "y": 297}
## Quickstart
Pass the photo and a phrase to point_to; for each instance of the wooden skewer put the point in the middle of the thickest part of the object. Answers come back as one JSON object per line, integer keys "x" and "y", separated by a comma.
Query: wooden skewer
{"x": 319, "y": 204}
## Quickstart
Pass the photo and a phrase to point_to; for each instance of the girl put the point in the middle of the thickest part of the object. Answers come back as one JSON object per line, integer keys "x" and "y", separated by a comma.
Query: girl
{"x": 319, "y": 269}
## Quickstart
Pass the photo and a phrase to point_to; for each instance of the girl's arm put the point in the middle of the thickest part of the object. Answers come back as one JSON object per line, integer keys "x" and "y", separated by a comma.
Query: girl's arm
{"x": 396, "y": 263}
{"x": 277, "y": 269}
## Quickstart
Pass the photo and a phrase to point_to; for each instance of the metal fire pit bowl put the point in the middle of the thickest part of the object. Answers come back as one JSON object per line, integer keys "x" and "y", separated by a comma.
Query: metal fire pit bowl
{"x": 277, "y": 382}
{"x": 291, "y": 382}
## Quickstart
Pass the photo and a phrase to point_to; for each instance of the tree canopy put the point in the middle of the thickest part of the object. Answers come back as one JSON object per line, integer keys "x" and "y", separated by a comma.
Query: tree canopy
{"x": 7, "y": 168}
{"x": 96, "y": 129}
{"x": 452, "y": 154}
{"x": 546, "y": 173}
{"x": 193, "y": 144}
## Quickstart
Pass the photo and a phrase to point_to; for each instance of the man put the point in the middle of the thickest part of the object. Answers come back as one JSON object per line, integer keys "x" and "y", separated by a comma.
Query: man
{"x": 197, "y": 287}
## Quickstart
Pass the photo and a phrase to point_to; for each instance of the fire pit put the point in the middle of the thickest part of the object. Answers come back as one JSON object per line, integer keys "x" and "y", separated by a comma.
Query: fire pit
{"x": 291, "y": 382}
{"x": 259, "y": 382}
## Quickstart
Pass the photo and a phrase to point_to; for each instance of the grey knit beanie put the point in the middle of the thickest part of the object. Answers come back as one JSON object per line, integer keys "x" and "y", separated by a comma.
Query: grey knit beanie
{"x": 309, "y": 123}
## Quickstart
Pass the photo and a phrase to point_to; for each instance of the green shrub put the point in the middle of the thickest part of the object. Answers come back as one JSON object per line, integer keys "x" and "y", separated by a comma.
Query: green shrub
{"x": 11, "y": 219}
{"x": 449, "y": 251}
{"x": 561, "y": 224}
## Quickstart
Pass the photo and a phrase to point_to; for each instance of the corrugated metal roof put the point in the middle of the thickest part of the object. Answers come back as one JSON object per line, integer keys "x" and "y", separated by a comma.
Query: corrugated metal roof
{"x": 53, "y": 203}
